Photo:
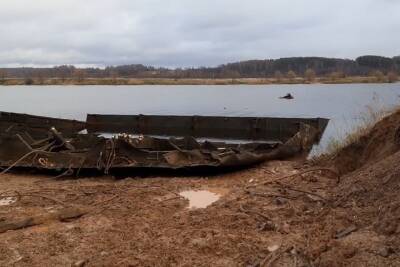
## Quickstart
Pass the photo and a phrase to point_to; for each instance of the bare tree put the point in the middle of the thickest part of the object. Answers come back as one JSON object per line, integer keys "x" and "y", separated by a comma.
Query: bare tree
{"x": 40, "y": 78}
{"x": 29, "y": 81}
{"x": 310, "y": 75}
{"x": 3, "y": 75}
{"x": 114, "y": 76}
{"x": 79, "y": 75}
{"x": 380, "y": 77}
{"x": 278, "y": 76}
{"x": 334, "y": 76}
{"x": 63, "y": 76}
{"x": 291, "y": 75}
{"x": 392, "y": 77}
{"x": 64, "y": 72}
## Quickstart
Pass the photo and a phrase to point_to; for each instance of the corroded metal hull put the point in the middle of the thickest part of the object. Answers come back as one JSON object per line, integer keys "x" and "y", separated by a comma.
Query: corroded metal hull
{"x": 36, "y": 143}
{"x": 239, "y": 128}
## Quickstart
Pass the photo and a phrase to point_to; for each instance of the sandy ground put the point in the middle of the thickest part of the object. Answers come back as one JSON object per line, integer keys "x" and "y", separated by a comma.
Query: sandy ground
{"x": 269, "y": 215}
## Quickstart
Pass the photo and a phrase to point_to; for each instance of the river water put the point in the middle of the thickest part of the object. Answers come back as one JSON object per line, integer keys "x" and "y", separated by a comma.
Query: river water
{"x": 343, "y": 104}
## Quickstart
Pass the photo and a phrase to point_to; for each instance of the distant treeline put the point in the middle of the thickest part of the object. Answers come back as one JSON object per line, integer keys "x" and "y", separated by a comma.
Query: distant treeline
{"x": 270, "y": 68}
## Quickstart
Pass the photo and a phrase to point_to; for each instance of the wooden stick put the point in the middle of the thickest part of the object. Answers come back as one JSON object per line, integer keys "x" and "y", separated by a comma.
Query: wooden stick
{"x": 269, "y": 195}
{"x": 306, "y": 192}
{"x": 61, "y": 215}
{"x": 254, "y": 212}
{"x": 301, "y": 173}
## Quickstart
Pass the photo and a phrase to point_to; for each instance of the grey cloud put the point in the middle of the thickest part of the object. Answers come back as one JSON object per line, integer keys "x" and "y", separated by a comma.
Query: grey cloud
{"x": 192, "y": 33}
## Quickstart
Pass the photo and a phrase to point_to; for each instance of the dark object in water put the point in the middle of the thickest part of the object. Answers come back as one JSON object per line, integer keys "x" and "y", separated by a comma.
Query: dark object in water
{"x": 287, "y": 96}
{"x": 234, "y": 128}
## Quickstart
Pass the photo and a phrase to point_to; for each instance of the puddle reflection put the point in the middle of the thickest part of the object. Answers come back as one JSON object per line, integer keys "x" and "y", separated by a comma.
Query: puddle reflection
{"x": 200, "y": 199}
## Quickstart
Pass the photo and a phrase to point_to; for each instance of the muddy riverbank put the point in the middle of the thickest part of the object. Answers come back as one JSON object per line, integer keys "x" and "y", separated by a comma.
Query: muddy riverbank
{"x": 279, "y": 213}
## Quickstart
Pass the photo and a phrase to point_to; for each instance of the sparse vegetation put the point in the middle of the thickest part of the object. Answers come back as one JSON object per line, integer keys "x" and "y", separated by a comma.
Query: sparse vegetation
{"x": 278, "y": 76}
{"x": 373, "y": 113}
{"x": 3, "y": 75}
{"x": 310, "y": 75}
{"x": 334, "y": 76}
{"x": 188, "y": 81}
{"x": 291, "y": 68}
{"x": 29, "y": 81}
{"x": 392, "y": 77}
{"x": 291, "y": 75}
{"x": 79, "y": 75}
{"x": 379, "y": 76}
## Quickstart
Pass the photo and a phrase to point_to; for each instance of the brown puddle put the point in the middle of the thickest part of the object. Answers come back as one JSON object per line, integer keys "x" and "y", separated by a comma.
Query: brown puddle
{"x": 200, "y": 199}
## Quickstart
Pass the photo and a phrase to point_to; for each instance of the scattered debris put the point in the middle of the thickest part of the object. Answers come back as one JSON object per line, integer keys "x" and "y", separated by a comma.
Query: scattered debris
{"x": 63, "y": 215}
{"x": 346, "y": 232}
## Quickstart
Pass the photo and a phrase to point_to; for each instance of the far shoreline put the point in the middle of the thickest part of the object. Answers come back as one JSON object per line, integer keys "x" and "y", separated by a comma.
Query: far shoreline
{"x": 186, "y": 81}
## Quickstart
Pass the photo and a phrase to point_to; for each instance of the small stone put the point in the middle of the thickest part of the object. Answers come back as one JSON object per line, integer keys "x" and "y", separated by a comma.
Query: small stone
{"x": 104, "y": 253}
{"x": 267, "y": 226}
{"x": 313, "y": 179}
{"x": 349, "y": 252}
{"x": 200, "y": 243}
{"x": 80, "y": 263}
{"x": 284, "y": 228}
{"x": 304, "y": 208}
{"x": 384, "y": 252}
{"x": 280, "y": 201}
{"x": 273, "y": 248}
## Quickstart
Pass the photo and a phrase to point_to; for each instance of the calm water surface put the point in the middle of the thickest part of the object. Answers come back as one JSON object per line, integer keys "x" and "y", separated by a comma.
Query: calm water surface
{"x": 343, "y": 104}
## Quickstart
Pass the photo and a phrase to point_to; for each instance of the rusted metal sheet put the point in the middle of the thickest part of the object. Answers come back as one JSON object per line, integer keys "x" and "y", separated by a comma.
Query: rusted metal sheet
{"x": 241, "y": 128}
{"x": 37, "y": 125}
{"x": 42, "y": 143}
{"x": 126, "y": 153}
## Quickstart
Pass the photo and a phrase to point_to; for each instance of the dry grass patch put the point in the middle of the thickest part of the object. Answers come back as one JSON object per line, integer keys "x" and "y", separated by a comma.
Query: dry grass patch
{"x": 373, "y": 113}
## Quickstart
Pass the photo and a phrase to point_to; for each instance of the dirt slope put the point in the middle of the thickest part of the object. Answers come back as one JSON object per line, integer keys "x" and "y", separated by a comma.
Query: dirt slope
{"x": 383, "y": 140}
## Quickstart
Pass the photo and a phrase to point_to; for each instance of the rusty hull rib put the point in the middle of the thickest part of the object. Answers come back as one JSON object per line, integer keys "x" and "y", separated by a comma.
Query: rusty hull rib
{"x": 240, "y": 128}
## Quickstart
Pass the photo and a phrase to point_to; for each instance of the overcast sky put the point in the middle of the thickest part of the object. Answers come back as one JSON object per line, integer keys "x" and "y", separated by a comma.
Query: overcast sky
{"x": 184, "y": 33}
